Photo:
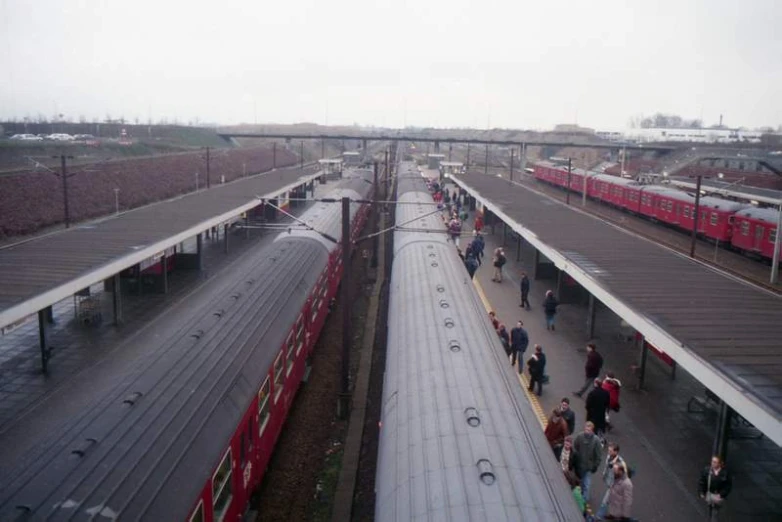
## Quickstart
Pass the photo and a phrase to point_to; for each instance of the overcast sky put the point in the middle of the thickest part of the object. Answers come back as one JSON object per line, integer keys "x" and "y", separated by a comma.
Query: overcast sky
{"x": 443, "y": 63}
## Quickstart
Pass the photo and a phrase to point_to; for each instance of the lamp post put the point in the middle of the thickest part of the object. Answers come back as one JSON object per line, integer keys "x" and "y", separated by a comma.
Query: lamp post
{"x": 116, "y": 200}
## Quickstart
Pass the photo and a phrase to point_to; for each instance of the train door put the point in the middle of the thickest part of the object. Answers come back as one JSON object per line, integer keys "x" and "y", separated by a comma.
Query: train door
{"x": 759, "y": 232}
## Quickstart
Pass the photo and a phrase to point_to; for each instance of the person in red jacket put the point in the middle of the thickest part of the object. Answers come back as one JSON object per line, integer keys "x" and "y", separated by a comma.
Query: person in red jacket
{"x": 478, "y": 221}
{"x": 612, "y": 385}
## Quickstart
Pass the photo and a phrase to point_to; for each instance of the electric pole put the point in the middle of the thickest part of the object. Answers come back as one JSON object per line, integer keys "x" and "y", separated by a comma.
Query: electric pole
{"x": 511, "y": 163}
{"x": 208, "y": 181}
{"x": 697, "y": 210}
{"x": 64, "y": 176}
{"x": 344, "y": 395}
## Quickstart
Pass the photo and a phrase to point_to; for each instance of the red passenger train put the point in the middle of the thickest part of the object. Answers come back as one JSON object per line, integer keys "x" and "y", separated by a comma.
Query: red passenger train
{"x": 184, "y": 431}
{"x": 734, "y": 225}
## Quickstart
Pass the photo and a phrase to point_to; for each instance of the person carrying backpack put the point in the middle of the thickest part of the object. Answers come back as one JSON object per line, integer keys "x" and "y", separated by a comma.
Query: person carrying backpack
{"x": 499, "y": 262}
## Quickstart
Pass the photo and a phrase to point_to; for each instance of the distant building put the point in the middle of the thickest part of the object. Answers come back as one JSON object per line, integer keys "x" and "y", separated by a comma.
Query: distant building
{"x": 433, "y": 160}
{"x": 687, "y": 135}
{"x": 572, "y": 128}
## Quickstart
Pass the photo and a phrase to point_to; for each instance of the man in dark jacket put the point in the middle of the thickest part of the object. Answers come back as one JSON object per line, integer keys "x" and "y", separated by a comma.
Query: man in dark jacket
{"x": 519, "y": 340}
{"x": 714, "y": 486}
{"x": 480, "y": 247}
{"x": 596, "y": 407}
{"x": 524, "y": 291}
{"x": 594, "y": 364}
{"x": 537, "y": 368}
{"x": 471, "y": 265}
{"x": 568, "y": 414}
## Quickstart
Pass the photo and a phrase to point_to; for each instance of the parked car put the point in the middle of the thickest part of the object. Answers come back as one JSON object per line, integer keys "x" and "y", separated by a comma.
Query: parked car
{"x": 26, "y": 137}
{"x": 60, "y": 137}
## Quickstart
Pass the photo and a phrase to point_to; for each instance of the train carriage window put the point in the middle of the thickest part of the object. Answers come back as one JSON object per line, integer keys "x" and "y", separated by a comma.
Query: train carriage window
{"x": 772, "y": 235}
{"x": 278, "y": 374}
{"x": 263, "y": 406}
{"x": 759, "y": 232}
{"x": 221, "y": 487}
{"x": 686, "y": 212}
{"x": 714, "y": 218}
{"x": 745, "y": 228}
{"x": 198, "y": 514}
{"x": 290, "y": 349}
{"x": 247, "y": 443}
{"x": 299, "y": 334}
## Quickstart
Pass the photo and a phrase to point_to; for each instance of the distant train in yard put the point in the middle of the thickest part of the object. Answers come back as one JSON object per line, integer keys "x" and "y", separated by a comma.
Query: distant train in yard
{"x": 185, "y": 430}
{"x": 735, "y": 225}
{"x": 459, "y": 440}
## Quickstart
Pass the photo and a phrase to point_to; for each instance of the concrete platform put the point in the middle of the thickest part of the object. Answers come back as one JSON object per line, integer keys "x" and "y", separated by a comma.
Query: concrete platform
{"x": 667, "y": 445}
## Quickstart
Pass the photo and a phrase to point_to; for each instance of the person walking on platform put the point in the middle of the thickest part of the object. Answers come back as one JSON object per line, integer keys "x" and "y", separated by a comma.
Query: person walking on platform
{"x": 612, "y": 459}
{"x": 596, "y": 407}
{"x": 504, "y": 338}
{"x": 519, "y": 340}
{"x": 589, "y": 453}
{"x": 620, "y": 496}
{"x": 478, "y": 222}
{"x": 499, "y": 262}
{"x": 455, "y": 229}
{"x": 613, "y": 386}
{"x": 494, "y": 321}
{"x": 568, "y": 414}
{"x": 550, "y": 305}
{"x": 714, "y": 486}
{"x": 479, "y": 246}
{"x": 524, "y": 291}
{"x": 537, "y": 369}
{"x": 567, "y": 457}
{"x": 594, "y": 364}
{"x": 471, "y": 264}
{"x": 556, "y": 431}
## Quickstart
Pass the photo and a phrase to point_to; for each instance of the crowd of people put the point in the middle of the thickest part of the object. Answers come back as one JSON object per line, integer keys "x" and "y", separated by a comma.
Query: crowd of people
{"x": 580, "y": 455}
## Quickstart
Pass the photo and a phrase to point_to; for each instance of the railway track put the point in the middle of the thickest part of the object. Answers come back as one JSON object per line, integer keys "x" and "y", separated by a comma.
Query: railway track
{"x": 732, "y": 263}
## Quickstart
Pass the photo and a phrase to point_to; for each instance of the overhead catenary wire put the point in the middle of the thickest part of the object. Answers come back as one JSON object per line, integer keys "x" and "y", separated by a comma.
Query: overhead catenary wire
{"x": 304, "y": 223}
{"x": 398, "y": 227}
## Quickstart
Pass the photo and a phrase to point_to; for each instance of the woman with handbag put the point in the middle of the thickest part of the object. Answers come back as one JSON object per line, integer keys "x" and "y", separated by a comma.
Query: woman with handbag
{"x": 714, "y": 486}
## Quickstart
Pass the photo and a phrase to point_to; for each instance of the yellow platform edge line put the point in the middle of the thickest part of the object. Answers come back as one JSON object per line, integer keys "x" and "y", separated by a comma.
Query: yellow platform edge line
{"x": 523, "y": 381}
